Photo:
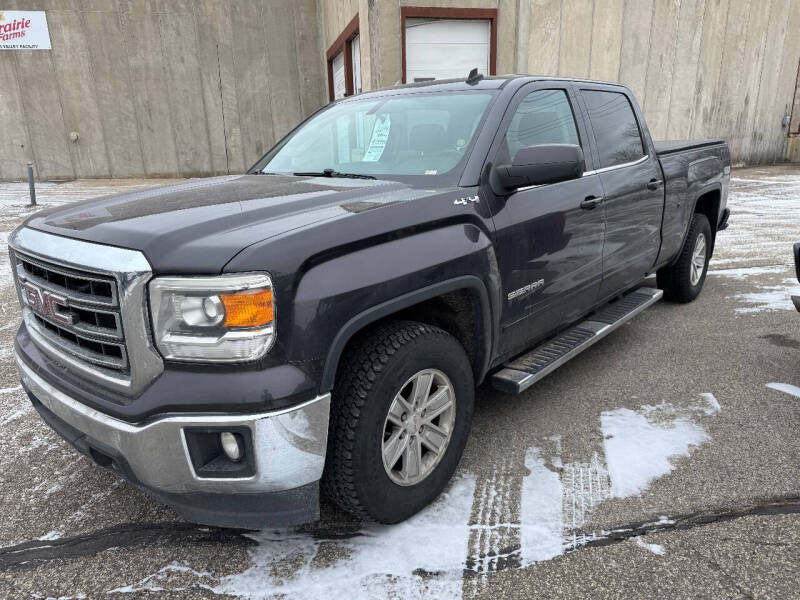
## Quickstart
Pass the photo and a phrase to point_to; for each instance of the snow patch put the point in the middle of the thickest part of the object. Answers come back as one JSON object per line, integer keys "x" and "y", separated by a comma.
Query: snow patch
{"x": 786, "y": 388}
{"x": 541, "y": 522}
{"x": 162, "y": 580}
{"x": 713, "y": 404}
{"x": 770, "y": 297}
{"x": 639, "y": 446}
{"x": 585, "y": 486}
{"x": 383, "y": 561}
{"x": 654, "y": 548}
{"x": 744, "y": 272}
{"x": 639, "y": 450}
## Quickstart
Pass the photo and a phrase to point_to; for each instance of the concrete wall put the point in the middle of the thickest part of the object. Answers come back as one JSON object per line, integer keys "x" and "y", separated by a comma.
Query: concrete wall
{"x": 199, "y": 87}
{"x": 158, "y": 87}
{"x": 700, "y": 68}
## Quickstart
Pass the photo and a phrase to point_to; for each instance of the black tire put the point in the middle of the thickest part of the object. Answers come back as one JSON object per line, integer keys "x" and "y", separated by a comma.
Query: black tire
{"x": 371, "y": 373}
{"x": 676, "y": 280}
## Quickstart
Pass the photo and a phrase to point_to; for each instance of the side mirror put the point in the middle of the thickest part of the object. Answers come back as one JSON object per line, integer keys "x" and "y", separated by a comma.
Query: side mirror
{"x": 538, "y": 165}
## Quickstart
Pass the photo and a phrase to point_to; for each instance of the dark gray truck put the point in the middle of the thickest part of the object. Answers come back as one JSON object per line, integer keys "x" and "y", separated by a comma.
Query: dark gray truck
{"x": 235, "y": 343}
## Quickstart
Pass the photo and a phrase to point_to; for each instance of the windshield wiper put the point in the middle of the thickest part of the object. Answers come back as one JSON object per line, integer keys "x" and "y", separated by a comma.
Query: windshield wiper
{"x": 332, "y": 173}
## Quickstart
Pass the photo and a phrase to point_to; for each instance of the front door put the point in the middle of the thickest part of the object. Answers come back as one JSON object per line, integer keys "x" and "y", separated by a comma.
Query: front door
{"x": 549, "y": 246}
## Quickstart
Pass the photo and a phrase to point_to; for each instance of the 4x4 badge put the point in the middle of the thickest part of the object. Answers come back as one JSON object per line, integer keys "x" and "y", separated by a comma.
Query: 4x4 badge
{"x": 463, "y": 201}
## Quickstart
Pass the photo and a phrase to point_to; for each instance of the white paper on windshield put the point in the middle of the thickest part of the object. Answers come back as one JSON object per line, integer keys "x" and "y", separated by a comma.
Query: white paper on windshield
{"x": 377, "y": 144}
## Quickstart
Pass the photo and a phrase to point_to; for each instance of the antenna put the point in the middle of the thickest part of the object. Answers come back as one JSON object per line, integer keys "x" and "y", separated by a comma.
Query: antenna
{"x": 474, "y": 77}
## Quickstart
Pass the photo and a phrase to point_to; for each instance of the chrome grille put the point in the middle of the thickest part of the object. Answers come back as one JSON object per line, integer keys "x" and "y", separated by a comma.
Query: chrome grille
{"x": 84, "y": 305}
{"x": 78, "y": 311}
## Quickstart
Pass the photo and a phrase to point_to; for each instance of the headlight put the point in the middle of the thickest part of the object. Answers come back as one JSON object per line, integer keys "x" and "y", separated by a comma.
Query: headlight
{"x": 229, "y": 318}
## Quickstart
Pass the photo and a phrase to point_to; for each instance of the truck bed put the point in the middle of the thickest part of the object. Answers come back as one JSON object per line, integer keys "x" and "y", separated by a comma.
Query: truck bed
{"x": 672, "y": 146}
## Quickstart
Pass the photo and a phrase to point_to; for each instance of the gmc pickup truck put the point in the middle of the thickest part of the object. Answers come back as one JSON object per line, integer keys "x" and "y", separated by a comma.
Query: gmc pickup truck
{"x": 238, "y": 344}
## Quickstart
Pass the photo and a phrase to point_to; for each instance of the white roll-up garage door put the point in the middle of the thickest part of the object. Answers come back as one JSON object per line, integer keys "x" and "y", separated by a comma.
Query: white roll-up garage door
{"x": 339, "y": 88}
{"x": 446, "y": 48}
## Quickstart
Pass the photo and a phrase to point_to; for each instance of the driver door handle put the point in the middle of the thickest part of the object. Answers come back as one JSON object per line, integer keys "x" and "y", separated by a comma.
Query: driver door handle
{"x": 591, "y": 202}
{"x": 653, "y": 184}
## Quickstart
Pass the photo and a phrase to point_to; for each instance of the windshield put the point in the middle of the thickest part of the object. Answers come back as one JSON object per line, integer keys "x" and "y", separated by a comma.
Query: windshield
{"x": 403, "y": 135}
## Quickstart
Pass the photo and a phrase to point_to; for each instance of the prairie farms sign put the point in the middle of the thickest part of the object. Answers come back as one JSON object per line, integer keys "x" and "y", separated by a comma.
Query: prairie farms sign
{"x": 24, "y": 30}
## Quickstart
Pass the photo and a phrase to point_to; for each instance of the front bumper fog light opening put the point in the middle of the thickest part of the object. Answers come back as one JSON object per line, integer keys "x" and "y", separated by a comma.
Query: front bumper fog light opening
{"x": 220, "y": 452}
{"x": 232, "y": 445}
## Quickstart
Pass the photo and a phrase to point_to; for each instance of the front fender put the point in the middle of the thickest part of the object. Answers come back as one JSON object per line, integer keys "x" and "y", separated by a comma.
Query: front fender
{"x": 339, "y": 297}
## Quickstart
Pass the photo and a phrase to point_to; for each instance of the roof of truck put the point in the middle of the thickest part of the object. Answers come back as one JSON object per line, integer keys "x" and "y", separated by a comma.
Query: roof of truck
{"x": 491, "y": 82}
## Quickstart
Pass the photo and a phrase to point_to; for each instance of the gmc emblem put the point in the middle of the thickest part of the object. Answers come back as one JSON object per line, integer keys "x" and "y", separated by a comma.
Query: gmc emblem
{"x": 46, "y": 303}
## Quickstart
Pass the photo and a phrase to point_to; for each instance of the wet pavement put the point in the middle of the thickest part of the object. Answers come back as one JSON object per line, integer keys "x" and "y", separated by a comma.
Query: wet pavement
{"x": 662, "y": 462}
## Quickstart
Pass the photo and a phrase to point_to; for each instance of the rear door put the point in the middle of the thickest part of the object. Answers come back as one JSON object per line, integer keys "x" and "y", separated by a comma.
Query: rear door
{"x": 549, "y": 247}
{"x": 634, "y": 191}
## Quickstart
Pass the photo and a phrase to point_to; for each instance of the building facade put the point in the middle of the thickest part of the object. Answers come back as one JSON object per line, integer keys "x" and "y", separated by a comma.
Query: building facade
{"x": 199, "y": 87}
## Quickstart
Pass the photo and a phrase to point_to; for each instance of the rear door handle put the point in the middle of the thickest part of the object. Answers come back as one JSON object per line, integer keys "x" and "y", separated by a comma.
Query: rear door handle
{"x": 653, "y": 184}
{"x": 591, "y": 202}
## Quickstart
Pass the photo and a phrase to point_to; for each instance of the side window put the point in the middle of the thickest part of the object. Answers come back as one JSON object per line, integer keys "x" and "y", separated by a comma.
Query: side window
{"x": 615, "y": 128}
{"x": 543, "y": 117}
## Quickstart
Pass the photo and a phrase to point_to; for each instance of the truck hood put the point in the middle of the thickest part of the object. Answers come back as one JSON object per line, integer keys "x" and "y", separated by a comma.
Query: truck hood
{"x": 199, "y": 225}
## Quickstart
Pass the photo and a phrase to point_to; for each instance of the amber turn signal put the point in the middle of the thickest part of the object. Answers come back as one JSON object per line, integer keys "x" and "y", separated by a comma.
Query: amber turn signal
{"x": 248, "y": 309}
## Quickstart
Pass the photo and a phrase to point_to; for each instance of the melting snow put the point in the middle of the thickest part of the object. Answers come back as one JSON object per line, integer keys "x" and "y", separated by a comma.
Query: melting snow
{"x": 763, "y": 218}
{"x": 156, "y": 581}
{"x": 787, "y": 388}
{"x": 654, "y": 548}
{"x": 557, "y": 500}
{"x": 541, "y": 511}
{"x": 744, "y": 272}
{"x": 639, "y": 450}
{"x": 383, "y": 561}
{"x": 770, "y": 297}
{"x": 639, "y": 446}
{"x": 713, "y": 404}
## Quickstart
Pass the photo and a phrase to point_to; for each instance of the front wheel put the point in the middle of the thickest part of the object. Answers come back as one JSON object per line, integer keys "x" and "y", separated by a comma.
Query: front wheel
{"x": 683, "y": 280}
{"x": 400, "y": 417}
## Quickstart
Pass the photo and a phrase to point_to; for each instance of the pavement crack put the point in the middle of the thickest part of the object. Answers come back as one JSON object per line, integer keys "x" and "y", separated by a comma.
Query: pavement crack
{"x": 128, "y": 535}
{"x": 29, "y": 554}
{"x": 782, "y": 506}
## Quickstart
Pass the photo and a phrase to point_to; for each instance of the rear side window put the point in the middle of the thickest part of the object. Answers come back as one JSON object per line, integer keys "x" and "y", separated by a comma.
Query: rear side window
{"x": 615, "y": 128}
{"x": 543, "y": 117}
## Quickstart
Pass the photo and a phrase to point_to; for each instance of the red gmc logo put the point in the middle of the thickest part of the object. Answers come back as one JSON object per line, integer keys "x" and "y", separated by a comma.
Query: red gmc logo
{"x": 46, "y": 303}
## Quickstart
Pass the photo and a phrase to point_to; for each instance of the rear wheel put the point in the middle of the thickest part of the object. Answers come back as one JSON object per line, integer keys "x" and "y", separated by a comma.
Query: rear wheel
{"x": 401, "y": 413}
{"x": 683, "y": 281}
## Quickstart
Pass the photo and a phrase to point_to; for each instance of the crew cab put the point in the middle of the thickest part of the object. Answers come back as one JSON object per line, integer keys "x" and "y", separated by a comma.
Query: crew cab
{"x": 237, "y": 343}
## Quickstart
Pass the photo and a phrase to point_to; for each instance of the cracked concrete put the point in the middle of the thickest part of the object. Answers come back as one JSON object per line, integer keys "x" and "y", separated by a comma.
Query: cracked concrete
{"x": 726, "y": 515}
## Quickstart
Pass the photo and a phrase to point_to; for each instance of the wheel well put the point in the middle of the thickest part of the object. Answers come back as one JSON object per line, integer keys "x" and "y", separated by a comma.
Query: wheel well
{"x": 457, "y": 312}
{"x": 708, "y": 205}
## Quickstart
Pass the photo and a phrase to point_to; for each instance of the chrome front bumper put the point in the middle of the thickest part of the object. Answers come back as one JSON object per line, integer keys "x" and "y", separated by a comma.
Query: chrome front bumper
{"x": 289, "y": 445}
